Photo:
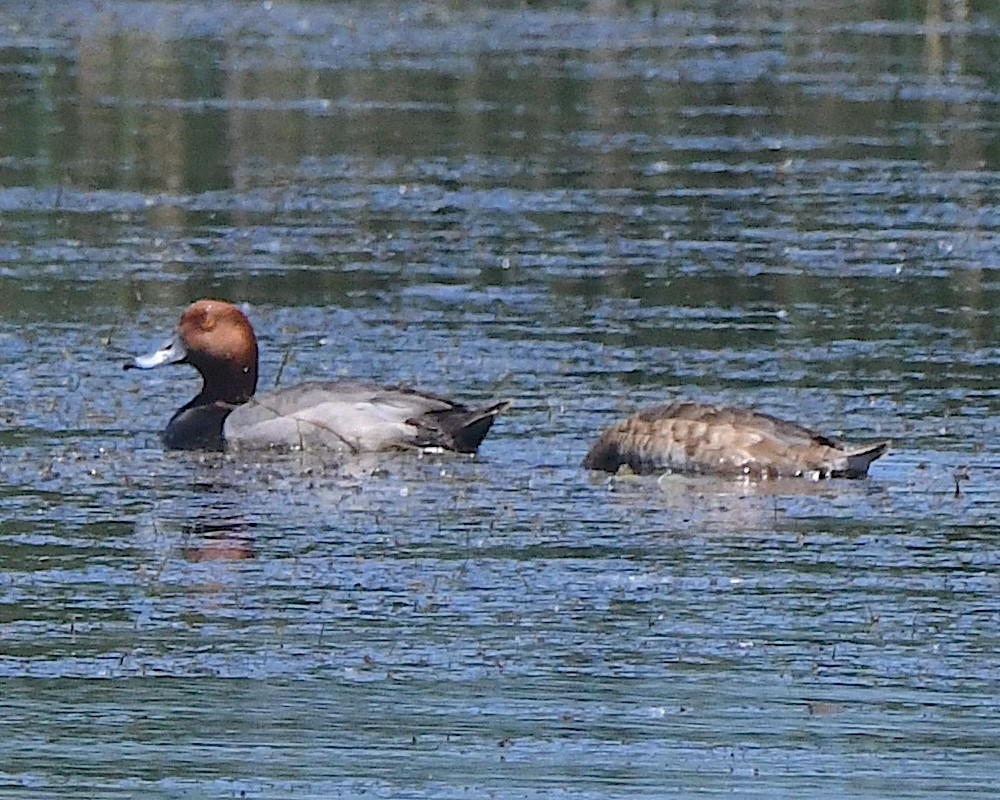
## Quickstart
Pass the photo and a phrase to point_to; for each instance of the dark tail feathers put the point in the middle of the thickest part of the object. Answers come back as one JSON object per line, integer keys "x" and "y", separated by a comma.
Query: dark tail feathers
{"x": 460, "y": 428}
{"x": 860, "y": 459}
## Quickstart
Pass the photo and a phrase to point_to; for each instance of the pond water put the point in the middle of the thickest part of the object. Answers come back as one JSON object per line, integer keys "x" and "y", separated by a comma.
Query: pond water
{"x": 585, "y": 208}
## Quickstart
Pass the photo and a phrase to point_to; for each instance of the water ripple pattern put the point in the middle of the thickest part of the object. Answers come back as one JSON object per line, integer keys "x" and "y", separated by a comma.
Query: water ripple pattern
{"x": 587, "y": 208}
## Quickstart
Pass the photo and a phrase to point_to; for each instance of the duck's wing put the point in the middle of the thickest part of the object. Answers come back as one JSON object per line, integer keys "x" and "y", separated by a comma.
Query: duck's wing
{"x": 357, "y": 417}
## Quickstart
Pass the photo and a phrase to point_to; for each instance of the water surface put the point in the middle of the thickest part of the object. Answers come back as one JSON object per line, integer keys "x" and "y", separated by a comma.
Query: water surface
{"x": 586, "y": 208}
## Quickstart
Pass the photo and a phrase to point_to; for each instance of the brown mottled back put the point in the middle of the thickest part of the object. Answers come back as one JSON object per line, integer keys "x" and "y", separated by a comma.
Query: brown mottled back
{"x": 697, "y": 437}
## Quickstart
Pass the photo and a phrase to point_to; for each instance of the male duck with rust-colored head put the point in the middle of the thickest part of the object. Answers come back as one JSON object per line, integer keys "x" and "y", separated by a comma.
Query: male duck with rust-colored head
{"x": 723, "y": 440}
{"x": 217, "y": 339}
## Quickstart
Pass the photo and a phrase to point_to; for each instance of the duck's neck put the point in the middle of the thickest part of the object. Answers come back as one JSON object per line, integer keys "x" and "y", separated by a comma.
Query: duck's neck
{"x": 233, "y": 386}
{"x": 197, "y": 426}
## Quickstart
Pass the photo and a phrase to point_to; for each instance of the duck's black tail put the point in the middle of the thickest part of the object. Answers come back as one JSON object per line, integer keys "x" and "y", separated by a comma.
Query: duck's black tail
{"x": 474, "y": 426}
{"x": 858, "y": 460}
{"x": 459, "y": 428}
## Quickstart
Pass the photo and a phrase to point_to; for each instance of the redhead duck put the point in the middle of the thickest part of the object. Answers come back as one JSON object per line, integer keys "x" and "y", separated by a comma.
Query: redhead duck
{"x": 721, "y": 440}
{"x": 216, "y": 339}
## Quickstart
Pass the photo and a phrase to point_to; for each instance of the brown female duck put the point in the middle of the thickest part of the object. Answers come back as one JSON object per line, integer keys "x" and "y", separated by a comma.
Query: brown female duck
{"x": 722, "y": 440}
